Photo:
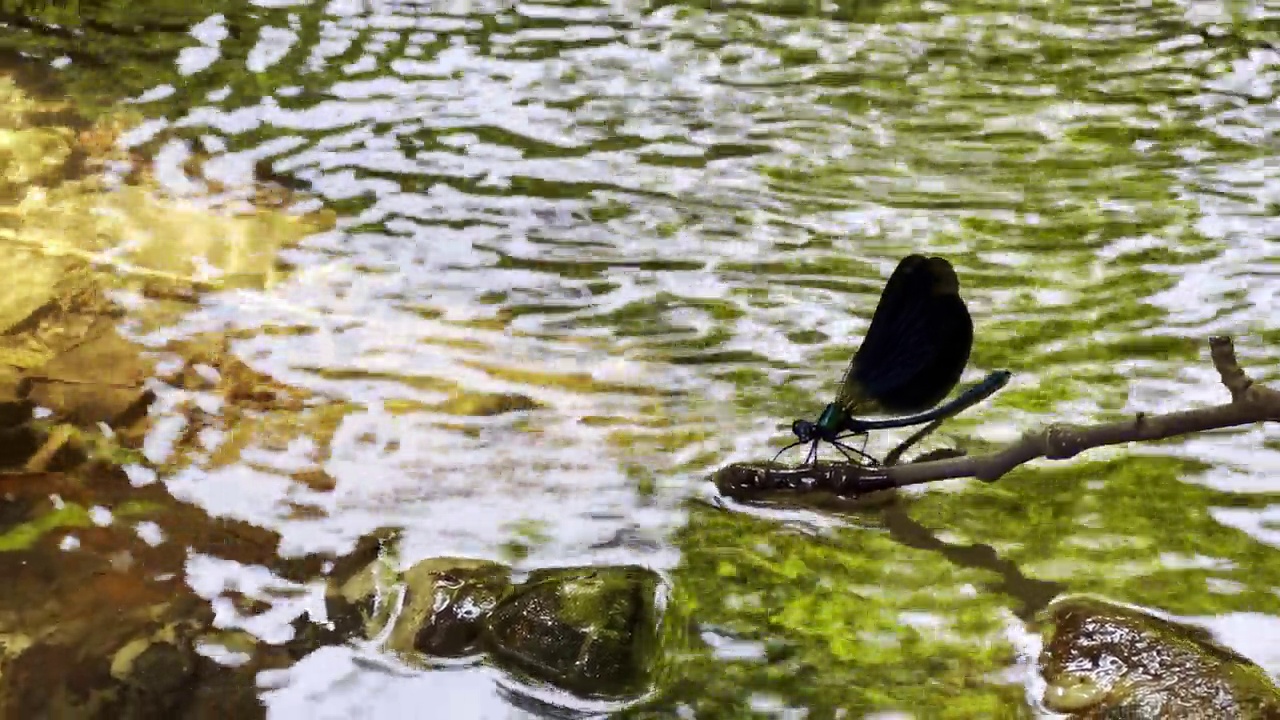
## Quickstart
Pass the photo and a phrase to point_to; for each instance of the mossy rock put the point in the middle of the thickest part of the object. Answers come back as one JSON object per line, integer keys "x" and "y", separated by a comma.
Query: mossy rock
{"x": 592, "y": 631}
{"x": 1103, "y": 660}
{"x": 446, "y": 604}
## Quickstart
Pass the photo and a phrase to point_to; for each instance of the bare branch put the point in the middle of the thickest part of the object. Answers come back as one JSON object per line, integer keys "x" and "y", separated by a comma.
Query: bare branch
{"x": 1250, "y": 403}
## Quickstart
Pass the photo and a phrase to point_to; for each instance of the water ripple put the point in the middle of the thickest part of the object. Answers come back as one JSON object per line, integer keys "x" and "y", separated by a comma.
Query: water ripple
{"x": 666, "y": 227}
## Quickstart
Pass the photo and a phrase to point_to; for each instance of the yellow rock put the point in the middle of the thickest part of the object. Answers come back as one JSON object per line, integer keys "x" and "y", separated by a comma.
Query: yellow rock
{"x": 158, "y": 235}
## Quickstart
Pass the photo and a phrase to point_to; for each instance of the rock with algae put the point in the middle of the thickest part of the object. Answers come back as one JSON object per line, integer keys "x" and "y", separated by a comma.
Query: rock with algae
{"x": 32, "y": 155}
{"x": 50, "y": 204}
{"x": 163, "y": 237}
{"x": 1105, "y": 661}
{"x": 591, "y": 630}
{"x": 99, "y": 378}
{"x": 446, "y": 603}
{"x": 34, "y": 283}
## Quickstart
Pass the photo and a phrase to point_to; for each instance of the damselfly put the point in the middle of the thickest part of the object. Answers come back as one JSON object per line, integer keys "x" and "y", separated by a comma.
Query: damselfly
{"x": 912, "y": 356}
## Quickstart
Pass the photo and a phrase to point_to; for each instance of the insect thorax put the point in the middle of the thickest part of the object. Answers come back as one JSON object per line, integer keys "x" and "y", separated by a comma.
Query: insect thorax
{"x": 831, "y": 422}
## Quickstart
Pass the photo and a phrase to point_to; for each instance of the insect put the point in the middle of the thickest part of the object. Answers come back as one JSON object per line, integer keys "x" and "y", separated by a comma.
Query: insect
{"x": 912, "y": 356}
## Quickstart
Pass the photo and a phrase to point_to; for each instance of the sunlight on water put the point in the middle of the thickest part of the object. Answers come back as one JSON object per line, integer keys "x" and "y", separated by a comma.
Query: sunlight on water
{"x": 587, "y": 252}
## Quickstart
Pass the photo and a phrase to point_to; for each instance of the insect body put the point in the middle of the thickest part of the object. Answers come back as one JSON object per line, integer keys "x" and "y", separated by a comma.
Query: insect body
{"x": 912, "y": 356}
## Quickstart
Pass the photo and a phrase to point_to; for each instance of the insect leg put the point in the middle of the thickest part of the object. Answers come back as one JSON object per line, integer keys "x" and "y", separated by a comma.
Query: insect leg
{"x": 813, "y": 454}
{"x": 846, "y": 449}
{"x": 893, "y": 457}
{"x": 775, "y": 457}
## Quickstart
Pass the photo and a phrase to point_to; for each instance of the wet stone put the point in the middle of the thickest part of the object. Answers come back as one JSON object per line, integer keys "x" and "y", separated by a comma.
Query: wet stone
{"x": 591, "y": 631}
{"x": 20, "y": 301}
{"x": 1109, "y": 661}
{"x": 16, "y": 445}
{"x": 29, "y": 694}
{"x": 316, "y": 479}
{"x": 15, "y": 408}
{"x": 486, "y": 404}
{"x": 97, "y": 380}
{"x": 446, "y": 602}
{"x": 18, "y": 439}
{"x": 85, "y": 405}
{"x": 33, "y": 155}
{"x": 159, "y": 677}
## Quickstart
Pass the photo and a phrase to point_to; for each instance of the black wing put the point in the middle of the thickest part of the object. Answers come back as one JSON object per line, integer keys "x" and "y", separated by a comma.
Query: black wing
{"x": 918, "y": 343}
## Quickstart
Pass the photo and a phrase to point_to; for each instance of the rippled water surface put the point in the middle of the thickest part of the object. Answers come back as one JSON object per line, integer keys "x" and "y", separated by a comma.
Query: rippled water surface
{"x": 658, "y": 232}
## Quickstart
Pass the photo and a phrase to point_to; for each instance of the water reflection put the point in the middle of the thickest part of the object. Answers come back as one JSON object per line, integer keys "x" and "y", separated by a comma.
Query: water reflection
{"x": 658, "y": 233}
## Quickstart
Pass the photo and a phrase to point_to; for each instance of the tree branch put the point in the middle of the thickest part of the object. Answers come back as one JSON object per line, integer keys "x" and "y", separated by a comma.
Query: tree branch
{"x": 1250, "y": 403}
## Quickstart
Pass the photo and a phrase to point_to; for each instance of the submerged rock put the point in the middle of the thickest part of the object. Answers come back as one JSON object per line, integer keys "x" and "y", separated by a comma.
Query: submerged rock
{"x": 446, "y": 603}
{"x": 32, "y": 285}
{"x": 485, "y": 404}
{"x": 593, "y": 631}
{"x": 1103, "y": 660}
{"x": 33, "y": 155}
{"x": 157, "y": 675}
{"x": 446, "y": 606}
{"x": 98, "y": 379}
{"x": 167, "y": 238}
{"x": 18, "y": 440}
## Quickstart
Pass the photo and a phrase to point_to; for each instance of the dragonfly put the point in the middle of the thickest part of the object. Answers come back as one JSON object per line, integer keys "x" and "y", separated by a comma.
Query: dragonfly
{"x": 913, "y": 355}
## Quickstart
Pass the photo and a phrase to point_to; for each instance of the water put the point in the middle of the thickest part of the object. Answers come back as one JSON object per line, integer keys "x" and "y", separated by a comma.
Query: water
{"x": 664, "y": 227}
